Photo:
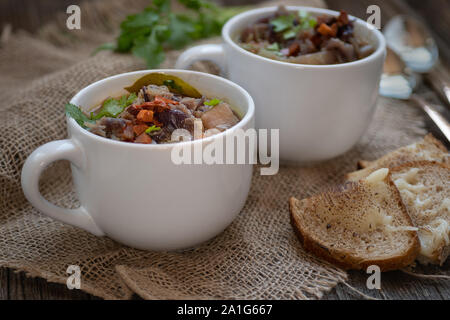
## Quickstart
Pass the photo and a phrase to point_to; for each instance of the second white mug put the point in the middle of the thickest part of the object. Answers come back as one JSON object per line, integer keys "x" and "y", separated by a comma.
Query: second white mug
{"x": 320, "y": 110}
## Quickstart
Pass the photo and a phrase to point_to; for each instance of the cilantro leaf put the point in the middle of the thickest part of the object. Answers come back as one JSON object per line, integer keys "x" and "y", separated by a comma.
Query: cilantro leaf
{"x": 292, "y": 33}
{"x": 273, "y": 47}
{"x": 290, "y": 30}
{"x": 213, "y": 102}
{"x": 149, "y": 49}
{"x": 113, "y": 107}
{"x": 303, "y": 14}
{"x": 148, "y": 33}
{"x": 77, "y": 114}
{"x": 282, "y": 23}
{"x": 307, "y": 21}
{"x": 198, "y": 4}
{"x": 162, "y": 6}
{"x": 182, "y": 31}
{"x": 147, "y": 18}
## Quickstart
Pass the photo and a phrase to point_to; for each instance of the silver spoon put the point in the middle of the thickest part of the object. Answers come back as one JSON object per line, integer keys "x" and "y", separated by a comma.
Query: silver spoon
{"x": 413, "y": 42}
{"x": 399, "y": 82}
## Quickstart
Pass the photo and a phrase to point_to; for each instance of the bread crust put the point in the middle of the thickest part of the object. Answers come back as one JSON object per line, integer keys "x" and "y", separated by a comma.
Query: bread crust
{"x": 347, "y": 260}
{"x": 343, "y": 259}
{"x": 420, "y": 163}
{"x": 364, "y": 166}
{"x": 431, "y": 139}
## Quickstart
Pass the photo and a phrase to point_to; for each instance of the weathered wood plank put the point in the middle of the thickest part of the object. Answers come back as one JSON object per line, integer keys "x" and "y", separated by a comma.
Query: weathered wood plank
{"x": 17, "y": 286}
{"x": 396, "y": 285}
{"x": 4, "y": 284}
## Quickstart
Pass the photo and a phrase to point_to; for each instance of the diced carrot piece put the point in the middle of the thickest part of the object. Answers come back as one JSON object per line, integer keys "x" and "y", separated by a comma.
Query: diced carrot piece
{"x": 326, "y": 30}
{"x": 145, "y": 116}
{"x": 143, "y": 138}
{"x": 323, "y": 29}
{"x": 334, "y": 29}
{"x": 139, "y": 128}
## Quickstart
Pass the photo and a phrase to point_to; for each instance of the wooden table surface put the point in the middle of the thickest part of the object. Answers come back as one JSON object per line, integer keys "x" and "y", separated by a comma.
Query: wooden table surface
{"x": 30, "y": 14}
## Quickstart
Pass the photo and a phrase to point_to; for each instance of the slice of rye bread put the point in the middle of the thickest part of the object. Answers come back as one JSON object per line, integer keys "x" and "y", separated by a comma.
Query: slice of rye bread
{"x": 357, "y": 225}
{"x": 429, "y": 148}
{"x": 425, "y": 189}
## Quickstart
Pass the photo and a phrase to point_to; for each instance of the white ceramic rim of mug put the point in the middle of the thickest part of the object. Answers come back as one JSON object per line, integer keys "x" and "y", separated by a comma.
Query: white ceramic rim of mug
{"x": 242, "y": 123}
{"x": 250, "y": 14}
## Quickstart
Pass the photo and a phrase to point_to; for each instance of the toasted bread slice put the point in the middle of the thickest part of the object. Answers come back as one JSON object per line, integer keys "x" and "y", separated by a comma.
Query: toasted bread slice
{"x": 357, "y": 225}
{"x": 429, "y": 148}
{"x": 425, "y": 190}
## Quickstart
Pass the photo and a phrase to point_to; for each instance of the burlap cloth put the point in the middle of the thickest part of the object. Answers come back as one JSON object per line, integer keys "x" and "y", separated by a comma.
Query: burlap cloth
{"x": 257, "y": 257}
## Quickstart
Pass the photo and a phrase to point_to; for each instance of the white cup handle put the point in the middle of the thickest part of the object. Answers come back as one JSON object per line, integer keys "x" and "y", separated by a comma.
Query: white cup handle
{"x": 31, "y": 171}
{"x": 210, "y": 52}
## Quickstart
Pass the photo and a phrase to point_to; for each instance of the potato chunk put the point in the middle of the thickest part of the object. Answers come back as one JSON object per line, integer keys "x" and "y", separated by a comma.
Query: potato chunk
{"x": 220, "y": 117}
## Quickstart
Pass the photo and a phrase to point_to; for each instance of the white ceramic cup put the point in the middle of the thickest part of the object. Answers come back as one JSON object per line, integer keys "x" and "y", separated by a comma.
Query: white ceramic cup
{"x": 321, "y": 110}
{"x": 134, "y": 193}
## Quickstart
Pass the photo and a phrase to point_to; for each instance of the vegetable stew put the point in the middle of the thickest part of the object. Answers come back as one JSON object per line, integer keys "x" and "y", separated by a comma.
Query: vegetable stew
{"x": 159, "y": 109}
{"x": 301, "y": 38}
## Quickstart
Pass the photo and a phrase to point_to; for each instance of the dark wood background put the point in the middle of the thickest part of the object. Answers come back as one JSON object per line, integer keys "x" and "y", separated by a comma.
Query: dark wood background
{"x": 31, "y": 14}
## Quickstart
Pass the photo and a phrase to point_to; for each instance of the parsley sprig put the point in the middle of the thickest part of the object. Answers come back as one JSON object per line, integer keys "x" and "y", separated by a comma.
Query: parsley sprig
{"x": 77, "y": 114}
{"x": 290, "y": 25}
{"x": 148, "y": 33}
{"x": 113, "y": 107}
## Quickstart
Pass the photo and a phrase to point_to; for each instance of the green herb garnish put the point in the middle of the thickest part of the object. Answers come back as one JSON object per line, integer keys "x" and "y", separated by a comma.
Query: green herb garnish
{"x": 282, "y": 23}
{"x": 148, "y": 33}
{"x": 303, "y": 14}
{"x": 290, "y": 29}
{"x": 307, "y": 21}
{"x": 113, "y": 107}
{"x": 77, "y": 114}
{"x": 152, "y": 128}
{"x": 273, "y": 47}
{"x": 213, "y": 102}
{"x": 291, "y": 33}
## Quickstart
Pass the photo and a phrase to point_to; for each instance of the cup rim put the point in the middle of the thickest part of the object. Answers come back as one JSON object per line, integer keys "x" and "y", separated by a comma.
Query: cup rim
{"x": 249, "y": 114}
{"x": 262, "y": 11}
